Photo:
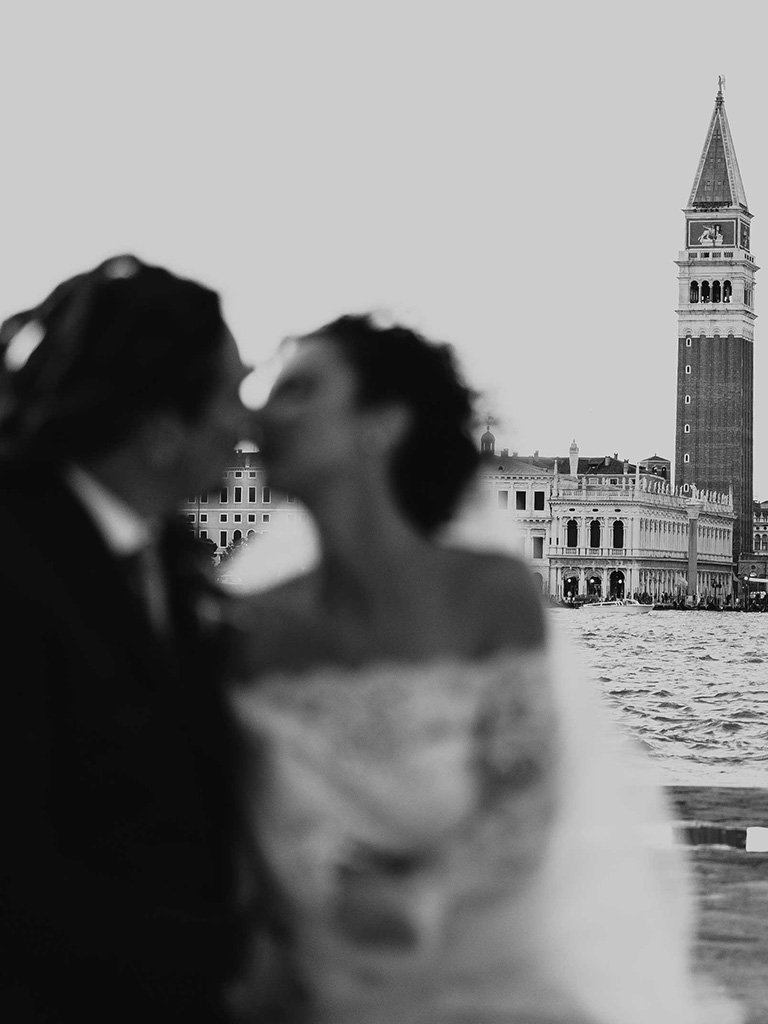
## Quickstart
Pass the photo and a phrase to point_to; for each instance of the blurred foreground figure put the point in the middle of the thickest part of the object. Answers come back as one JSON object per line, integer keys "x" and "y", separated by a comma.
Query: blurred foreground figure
{"x": 450, "y": 834}
{"x": 119, "y": 396}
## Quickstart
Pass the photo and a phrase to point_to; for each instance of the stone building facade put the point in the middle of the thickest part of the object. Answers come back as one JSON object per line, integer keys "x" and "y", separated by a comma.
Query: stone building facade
{"x": 605, "y": 527}
{"x": 760, "y": 527}
{"x": 244, "y": 507}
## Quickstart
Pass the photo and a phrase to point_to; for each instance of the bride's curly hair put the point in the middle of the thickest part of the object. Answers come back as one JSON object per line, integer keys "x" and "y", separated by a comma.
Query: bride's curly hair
{"x": 437, "y": 458}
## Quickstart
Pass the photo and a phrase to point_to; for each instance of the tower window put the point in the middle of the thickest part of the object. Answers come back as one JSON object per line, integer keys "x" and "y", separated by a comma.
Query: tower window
{"x": 727, "y": 291}
{"x": 705, "y": 291}
{"x": 687, "y": 399}
{"x": 715, "y": 291}
{"x": 686, "y": 458}
{"x": 687, "y": 428}
{"x": 688, "y": 342}
{"x": 694, "y": 291}
{"x": 688, "y": 369}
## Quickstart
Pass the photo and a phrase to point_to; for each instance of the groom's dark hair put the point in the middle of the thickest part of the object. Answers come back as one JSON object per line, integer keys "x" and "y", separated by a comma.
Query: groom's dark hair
{"x": 80, "y": 371}
{"x": 438, "y": 457}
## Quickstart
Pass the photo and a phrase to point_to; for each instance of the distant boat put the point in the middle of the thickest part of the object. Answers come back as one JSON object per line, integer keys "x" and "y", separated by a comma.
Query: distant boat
{"x": 621, "y": 604}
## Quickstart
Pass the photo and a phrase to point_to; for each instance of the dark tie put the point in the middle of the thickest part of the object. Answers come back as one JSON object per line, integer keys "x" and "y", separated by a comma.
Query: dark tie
{"x": 145, "y": 576}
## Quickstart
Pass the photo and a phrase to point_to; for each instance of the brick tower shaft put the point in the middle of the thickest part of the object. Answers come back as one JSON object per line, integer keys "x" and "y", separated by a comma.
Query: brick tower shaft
{"x": 714, "y": 442}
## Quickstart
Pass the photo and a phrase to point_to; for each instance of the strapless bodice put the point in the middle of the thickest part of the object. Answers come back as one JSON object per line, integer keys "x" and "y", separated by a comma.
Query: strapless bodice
{"x": 413, "y": 819}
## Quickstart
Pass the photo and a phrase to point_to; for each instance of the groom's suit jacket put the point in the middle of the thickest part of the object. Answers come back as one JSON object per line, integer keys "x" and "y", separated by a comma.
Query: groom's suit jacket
{"x": 115, "y": 846}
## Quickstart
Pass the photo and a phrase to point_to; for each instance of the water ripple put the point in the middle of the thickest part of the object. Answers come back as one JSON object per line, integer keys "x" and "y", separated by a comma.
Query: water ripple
{"x": 705, "y": 718}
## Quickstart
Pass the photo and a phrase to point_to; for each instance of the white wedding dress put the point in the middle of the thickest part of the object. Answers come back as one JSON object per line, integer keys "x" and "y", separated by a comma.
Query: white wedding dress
{"x": 460, "y": 843}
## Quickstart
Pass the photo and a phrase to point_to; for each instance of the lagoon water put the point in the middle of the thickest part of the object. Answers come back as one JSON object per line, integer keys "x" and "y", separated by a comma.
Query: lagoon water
{"x": 690, "y": 687}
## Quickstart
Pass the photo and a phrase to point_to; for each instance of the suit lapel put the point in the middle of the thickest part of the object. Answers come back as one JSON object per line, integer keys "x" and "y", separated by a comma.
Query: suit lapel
{"x": 85, "y": 586}
{"x": 72, "y": 573}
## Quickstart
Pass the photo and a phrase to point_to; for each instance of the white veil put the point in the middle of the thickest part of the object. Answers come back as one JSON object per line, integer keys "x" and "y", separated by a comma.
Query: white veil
{"x": 617, "y": 888}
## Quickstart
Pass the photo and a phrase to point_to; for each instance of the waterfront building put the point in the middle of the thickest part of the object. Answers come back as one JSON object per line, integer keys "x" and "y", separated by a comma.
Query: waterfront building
{"x": 760, "y": 527}
{"x": 752, "y": 570}
{"x": 713, "y": 445}
{"x": 604, "y": 526}
{"x": 243, "y": 508}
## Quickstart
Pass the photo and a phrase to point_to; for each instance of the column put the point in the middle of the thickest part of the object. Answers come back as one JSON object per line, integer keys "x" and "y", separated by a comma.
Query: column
{"x": 694, "y": 507}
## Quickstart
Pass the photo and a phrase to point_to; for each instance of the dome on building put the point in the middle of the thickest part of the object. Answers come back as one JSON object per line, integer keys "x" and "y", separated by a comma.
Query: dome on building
{"x": 488, "y": 442}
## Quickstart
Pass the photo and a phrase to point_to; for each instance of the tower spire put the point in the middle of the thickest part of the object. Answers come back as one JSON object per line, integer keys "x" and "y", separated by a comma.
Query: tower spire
{"x": 718, "y": 179}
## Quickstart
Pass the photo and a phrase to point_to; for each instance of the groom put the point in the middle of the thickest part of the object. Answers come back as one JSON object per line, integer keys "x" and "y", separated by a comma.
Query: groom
{"x": 119, "y": 397}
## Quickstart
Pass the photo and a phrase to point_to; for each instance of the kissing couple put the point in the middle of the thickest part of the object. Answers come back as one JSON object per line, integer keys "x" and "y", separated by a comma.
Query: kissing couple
{"x": 377, "y": 791}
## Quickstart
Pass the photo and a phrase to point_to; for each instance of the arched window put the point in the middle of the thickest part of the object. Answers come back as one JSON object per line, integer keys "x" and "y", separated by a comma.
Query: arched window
{"x": 618, "y": 534}
{"x": 694, "y": 291}
{"x": 715, "y": 291}
{"x": 727, "y": 291}
{"x": 594, "y": 533}
{"x": 572, "y": 534}
{"x": 705, "y": 291}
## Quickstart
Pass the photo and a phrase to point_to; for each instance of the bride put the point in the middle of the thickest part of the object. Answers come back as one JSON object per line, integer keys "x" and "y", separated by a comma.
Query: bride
{"x": 428, "y": 783}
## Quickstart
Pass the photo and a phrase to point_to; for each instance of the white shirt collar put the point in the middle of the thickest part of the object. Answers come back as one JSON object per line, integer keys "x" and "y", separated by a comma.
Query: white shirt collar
{"x": 123, "y": 529}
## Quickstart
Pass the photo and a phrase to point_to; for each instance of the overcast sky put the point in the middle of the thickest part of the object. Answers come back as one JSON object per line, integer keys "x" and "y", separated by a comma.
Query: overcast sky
{"x": 506, "y": 176}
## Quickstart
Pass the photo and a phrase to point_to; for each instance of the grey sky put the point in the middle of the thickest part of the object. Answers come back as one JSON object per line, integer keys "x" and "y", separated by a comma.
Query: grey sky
{"x": 506, "y": 176}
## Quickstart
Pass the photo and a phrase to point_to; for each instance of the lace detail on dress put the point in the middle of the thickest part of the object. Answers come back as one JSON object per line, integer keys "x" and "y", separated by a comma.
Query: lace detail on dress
{"x": 455, "y": 842}
{"x": 381, "y": 709}
{"x": 398, "y": 802}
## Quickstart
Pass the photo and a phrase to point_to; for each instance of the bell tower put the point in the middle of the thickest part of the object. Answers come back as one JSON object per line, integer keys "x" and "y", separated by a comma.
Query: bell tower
{"x": 713, "y": 444}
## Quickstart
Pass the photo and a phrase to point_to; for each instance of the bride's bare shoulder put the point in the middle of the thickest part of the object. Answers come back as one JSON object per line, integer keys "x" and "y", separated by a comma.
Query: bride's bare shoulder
{"x": 505, "y": 596}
